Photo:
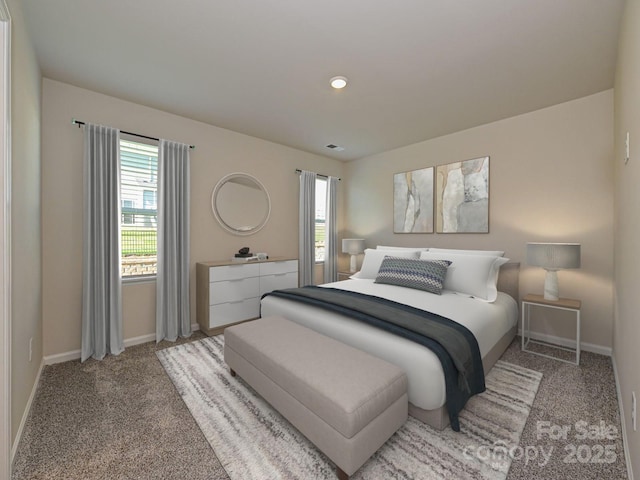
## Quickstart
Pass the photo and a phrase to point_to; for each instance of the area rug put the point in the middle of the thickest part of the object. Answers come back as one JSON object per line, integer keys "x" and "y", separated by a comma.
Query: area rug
{"x": 253, "y": 441}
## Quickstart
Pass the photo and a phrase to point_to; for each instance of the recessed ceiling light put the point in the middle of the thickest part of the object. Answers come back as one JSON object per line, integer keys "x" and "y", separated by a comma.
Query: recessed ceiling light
{"x": 338, "y": 82}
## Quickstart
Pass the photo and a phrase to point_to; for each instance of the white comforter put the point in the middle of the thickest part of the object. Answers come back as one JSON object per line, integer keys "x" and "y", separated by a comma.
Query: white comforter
{"x": 488, "y": 322}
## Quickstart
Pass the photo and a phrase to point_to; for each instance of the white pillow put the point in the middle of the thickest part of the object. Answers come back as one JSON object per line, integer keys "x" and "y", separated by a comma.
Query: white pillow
{"x": 373, "y": 259}
{"x": 474, "y": 275}
{"x": 385, "y": 247}
{"x": 492, "y": 253}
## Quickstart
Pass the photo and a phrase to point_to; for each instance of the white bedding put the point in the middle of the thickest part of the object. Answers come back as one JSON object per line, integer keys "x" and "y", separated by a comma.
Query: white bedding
{"x": 489, "y": 322}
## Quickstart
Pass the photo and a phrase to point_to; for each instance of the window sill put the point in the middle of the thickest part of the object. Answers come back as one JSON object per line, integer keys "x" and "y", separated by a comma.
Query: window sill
{"x": 139, "y": 279}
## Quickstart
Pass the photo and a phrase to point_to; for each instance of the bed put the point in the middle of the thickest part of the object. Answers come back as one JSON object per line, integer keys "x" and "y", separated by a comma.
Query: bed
{"x": 493, "y": 323}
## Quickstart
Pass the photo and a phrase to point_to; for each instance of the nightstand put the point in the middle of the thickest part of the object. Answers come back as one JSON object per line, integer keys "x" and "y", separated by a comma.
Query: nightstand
{"x": 567, "y": 304}
{"x": 345, "y": 274}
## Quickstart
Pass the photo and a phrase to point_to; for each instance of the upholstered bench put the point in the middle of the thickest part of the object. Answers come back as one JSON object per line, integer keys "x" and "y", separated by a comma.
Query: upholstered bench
{"x": 345, "y": 401}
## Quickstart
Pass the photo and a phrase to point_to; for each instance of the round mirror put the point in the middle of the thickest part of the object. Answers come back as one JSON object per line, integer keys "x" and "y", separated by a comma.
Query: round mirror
{"x": 241, "y": 204}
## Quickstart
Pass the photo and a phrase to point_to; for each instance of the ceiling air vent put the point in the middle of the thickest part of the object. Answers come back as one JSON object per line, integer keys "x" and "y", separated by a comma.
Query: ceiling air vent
{"x": 335, "y": 147}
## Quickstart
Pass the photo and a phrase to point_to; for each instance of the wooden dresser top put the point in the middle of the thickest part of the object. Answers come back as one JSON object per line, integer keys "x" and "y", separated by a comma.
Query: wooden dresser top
{"x": 222, "y": 263}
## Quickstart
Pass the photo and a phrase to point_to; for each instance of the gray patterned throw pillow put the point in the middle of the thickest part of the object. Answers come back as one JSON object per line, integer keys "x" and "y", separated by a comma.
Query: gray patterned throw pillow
{"x": 425, "y": 275}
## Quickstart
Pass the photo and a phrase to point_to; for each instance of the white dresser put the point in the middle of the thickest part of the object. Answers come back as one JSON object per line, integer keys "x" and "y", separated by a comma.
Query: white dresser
{"x": 228, "y": 292}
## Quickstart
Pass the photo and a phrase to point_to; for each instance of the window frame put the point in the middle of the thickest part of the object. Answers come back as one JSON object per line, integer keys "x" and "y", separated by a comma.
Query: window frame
{"x": 143, "y": 278}
{"x": 325, "y": 183}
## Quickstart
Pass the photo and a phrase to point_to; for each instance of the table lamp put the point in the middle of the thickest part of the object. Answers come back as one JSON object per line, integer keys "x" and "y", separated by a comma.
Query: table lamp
{"x": 553, "y": 257}
{"x": 353, "y": 246}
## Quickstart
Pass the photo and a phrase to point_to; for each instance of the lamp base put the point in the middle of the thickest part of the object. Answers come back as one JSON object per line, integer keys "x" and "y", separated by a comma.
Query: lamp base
{"x": 551, "y": 285}
{"x": 352, "y": 265}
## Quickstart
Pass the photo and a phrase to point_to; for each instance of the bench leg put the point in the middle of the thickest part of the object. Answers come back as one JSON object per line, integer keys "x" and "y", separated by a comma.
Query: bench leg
{"x": 232, "y": 372}
{"x": 341, "y": 474}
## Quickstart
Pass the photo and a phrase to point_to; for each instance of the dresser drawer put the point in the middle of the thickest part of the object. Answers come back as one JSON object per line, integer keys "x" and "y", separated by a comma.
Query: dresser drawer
{"x": 233, "y": 272}
{"x": 275, "y": 268}
{"x": 231, "y": 312}
{"x": 233, "y": 290}
{"x": 268, "y": 283}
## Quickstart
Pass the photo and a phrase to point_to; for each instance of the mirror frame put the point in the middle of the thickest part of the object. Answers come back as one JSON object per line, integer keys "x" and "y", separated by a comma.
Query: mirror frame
{"x": 217, "y": 215}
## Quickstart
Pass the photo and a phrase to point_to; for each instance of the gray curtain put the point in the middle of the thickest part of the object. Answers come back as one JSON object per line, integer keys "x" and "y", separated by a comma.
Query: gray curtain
{"x": 101, "y": 284}
{"x": 172, "y": 282}
{"x": 307, "y": 226}
{"x": 331, "y": 232}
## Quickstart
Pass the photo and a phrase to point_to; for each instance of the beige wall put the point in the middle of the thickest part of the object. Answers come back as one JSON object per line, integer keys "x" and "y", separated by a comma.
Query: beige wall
{"x": 627, "y": 224}
{"x": 550, "y": 180}
{"x": 26, "y": 295}
{"x": 217, "y": 153}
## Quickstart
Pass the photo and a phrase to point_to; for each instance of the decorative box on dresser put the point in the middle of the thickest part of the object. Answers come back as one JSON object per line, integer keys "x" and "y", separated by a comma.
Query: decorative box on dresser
{"x": 228, "y": 292}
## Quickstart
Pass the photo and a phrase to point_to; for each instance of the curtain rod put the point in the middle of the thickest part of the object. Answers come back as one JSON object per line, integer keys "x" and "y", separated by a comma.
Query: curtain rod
{"x": 298, "y": 171}
{"x": 80, "y": 123}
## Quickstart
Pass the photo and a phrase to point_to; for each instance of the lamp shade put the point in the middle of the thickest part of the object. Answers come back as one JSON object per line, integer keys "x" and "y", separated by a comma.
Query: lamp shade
{"x": 554, "y": 256}
{"x": 353, "y": 246}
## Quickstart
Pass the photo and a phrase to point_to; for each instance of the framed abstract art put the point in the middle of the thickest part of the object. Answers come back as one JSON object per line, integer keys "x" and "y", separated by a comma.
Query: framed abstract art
{"x": 413, "y": 201}
{"x": 462, "y": 197}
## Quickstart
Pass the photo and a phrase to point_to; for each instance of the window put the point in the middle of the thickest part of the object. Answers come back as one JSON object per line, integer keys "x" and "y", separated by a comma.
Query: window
{"x": 127, "y": 216}
{"x": 138, "y": 195}
{"x": 321, "y": 215}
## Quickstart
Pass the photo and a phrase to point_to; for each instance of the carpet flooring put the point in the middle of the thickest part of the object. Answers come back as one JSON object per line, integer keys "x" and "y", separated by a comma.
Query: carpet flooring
{"x": 252, "y": 440}
{"x": 122, "y": 418}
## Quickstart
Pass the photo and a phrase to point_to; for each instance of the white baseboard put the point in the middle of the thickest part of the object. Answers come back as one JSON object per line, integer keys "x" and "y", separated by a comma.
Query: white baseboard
{"x": 76, "y": 354}
{"x": 570, "y": 343}
{"x": 61, "y": 357}
{"x": 128, "y": 342}
{"x": 25, "y": 415}
{"x": 625, "y": 442}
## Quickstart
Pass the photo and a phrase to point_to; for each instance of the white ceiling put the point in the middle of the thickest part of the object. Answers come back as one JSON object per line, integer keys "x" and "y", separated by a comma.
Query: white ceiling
{"x": 417, "y": 69}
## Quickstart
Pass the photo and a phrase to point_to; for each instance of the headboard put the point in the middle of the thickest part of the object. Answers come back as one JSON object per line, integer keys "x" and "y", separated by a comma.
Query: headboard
{"x": 509, "y": 279}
